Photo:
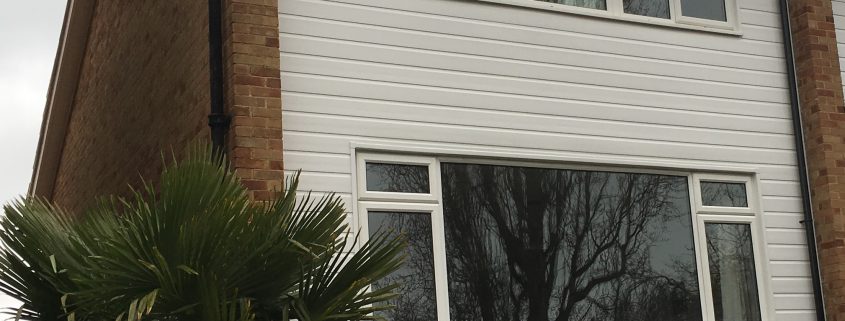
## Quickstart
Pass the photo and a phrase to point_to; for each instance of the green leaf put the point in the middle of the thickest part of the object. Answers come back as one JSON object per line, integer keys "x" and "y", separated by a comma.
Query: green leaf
{"x": 193, "y": 246}
{"x": 186, "y": 269}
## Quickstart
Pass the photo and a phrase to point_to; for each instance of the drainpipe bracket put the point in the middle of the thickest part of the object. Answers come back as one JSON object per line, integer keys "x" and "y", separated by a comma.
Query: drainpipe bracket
{"x": 218, "y": 120}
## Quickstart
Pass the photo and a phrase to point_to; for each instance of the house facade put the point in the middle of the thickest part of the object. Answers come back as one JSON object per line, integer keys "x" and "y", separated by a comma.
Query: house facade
{"x": 576, "y": 160}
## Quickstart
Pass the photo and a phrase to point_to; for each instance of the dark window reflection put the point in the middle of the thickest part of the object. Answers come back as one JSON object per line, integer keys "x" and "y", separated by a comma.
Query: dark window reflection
{"x": 649, "y": 8}
{"x": 397, "y": 178}
{"x": 732, "y": 272}
{"x": 723, "y": 194}
{"x": 529, "y": 244}
{"x": 417, "y": 301}
{"x": 592, "y": 4}
{"x": 705, "y": 9}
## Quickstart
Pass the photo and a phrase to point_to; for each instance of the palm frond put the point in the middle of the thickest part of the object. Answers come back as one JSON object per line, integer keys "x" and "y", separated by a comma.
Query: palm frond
{"x": 192, "y": 246}
{"x": 33, "y": 258}
{"x": 339, "y": 287}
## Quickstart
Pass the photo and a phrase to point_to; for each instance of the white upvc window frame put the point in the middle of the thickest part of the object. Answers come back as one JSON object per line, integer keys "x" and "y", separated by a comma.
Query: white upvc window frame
{"x": 435, "y": 213}
{"x": 431, "y": 204}
{"x": 615, "y": 10}
{"x": 750, "y": 192}
{"x": 731, "y": 16}
{"x": 750, "y": 215}
{"x": 701, "y": 221}
{"x": 433, "y": 195}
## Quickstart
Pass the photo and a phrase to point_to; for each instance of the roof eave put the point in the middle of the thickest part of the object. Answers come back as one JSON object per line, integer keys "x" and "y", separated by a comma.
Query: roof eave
{"x": 60, "y": 96}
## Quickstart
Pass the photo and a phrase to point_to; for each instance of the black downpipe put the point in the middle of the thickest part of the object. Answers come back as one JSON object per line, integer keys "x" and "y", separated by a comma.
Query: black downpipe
{"x": 218, "y": 120}
{"x": 797, "y": 127}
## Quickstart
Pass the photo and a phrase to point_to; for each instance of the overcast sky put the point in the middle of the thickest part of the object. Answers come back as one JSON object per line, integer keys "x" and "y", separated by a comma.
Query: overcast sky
{"x": 29, "y": 34}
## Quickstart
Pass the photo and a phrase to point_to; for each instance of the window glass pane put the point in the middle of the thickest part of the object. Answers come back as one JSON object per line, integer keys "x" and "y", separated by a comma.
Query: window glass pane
{"x": 417, "y": 301}
{"x": 650, "y": 8}
{"x": 732, "y": 272}
{"x": 723, "y": 194}
{"x": 397, "y": 178}
{"x": 543, "y": 244}
{"x": 592, "y": 4}
{"x": 704, "y": 9}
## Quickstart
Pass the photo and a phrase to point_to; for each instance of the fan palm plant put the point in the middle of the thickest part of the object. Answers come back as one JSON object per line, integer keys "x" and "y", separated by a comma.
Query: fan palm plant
{"x": 193, "y": 248}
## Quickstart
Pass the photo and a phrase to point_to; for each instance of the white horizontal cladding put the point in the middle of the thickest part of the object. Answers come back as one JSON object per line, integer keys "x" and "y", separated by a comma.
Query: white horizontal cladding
{"x": 472, "y": 65}
{"x": 767, "y": 118}
{"x": 644, "y": 95}
{"x": 331, "y": 144}
{"x": 377, "y": 126}
{"x": 455, "y": 46}
{"x": 489, "y": 79}
{"x": 795, "y": 315}
{"x": 839, "y": 24}
{"x": 522, "y": 121}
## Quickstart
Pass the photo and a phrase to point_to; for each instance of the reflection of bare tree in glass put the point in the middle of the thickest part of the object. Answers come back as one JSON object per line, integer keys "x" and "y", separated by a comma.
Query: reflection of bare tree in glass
{"x": 417, "y": 299}
{"x": 592, "y": 4}
{"x": 724, "y": 194}
{"x": 397, "y": 178}
{"x": 650, "y": 296}
{"x": 538, "y": 245}
{"x": 732, "y": 272}
{"x": 650, "y": 8}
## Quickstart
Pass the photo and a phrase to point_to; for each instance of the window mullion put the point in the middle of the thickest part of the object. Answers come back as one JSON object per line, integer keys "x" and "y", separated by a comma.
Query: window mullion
{"x": 441, "y": 280}
{"x": 441, "y": 284}
{"x": 674, "y": 10}
{"x": 702, "y": 259}
{"x": 704, "y": 270}
{"x": 614, "y": 7}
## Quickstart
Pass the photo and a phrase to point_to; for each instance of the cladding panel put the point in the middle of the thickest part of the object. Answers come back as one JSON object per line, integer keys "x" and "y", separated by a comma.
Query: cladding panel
{"x": 511, "y": 81}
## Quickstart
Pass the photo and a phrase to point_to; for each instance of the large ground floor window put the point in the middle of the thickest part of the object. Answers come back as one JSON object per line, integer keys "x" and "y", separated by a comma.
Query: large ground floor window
{"x": 506, "y": 241}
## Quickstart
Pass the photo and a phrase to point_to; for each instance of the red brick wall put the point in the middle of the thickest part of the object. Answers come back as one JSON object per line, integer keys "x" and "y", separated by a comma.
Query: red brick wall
{"x": 254, "y": 94}
{"x": 143, "y": 88}
{"x": 823, "y": 113}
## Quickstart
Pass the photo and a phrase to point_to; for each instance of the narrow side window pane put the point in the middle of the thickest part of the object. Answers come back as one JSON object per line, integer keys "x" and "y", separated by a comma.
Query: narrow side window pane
{"x": 724, "y": 194}
{"x": 546, "y": 244}
{"x": 649, "y": 8}
{"x": 705, "y": 9}
{"x": 592, "y": 4}
{"x": 417, "y": 301}
{"x": 732, "y": 272}
{"x": 383, "y": 177}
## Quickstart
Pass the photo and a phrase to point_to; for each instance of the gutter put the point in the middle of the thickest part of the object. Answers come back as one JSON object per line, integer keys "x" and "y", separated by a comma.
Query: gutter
{"x": 218, "y": 120}
{"x": 803, "y": 173}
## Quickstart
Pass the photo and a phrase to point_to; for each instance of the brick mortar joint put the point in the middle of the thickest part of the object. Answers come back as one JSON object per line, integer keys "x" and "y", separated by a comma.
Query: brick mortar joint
{"x": 254, "y": 89}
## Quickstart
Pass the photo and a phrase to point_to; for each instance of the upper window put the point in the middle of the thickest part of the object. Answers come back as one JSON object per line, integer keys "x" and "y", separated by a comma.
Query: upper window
{"x": 397, "y": 178}
{"x": 592, "y": 4}
{"x": 693, "y": 14}
{"x": 648, "y": 8}
{"x": 723, "y": 194}
{"x": 705, "y": 9}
